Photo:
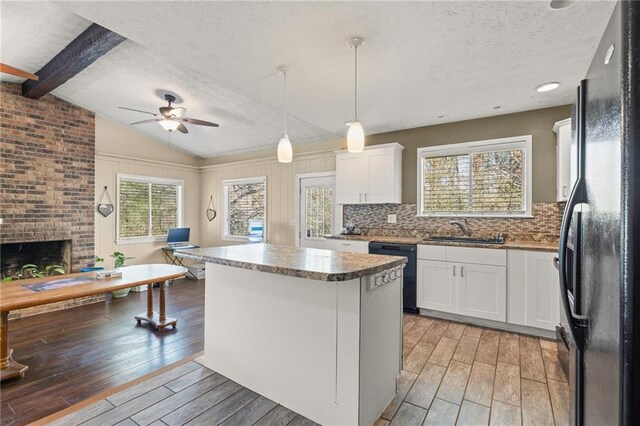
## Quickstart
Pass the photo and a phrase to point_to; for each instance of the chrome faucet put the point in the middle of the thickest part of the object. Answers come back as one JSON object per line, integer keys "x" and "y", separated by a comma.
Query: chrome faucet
{"x": 463, "y": 226}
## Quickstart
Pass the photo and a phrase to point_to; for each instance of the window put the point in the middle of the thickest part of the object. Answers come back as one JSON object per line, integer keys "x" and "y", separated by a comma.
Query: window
{"x": 147, "y": 207}
{"x": 318, "y": 211}
{"x": 244, "y": 200}
{"x": 485, "y": 178}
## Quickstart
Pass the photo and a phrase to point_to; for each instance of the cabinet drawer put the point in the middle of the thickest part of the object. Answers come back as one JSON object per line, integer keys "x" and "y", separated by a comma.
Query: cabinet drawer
{"x": 347, "y": 246}
{"x": 432, "y": 252}
{"x": 480, "y": 256}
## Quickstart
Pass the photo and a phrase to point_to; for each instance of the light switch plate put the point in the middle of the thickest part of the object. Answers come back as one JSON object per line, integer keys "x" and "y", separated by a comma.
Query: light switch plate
{"x": 391, "y": 218}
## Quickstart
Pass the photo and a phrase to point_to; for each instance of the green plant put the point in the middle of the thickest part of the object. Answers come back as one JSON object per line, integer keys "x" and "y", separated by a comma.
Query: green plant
{"x": 97, "y": 260}
{"x": 119, "y": 258}
{"x": 33, "y": 271}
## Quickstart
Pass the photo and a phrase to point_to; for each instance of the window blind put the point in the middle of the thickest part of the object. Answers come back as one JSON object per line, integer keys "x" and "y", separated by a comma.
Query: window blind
{"x": 319, "y": 211}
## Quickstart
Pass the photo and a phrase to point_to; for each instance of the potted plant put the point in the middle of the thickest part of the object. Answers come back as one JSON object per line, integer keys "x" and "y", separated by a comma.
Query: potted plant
{"x": 33, "y": 271}
{"x": 95, "y": 266}
{"x": 118, "y": 262}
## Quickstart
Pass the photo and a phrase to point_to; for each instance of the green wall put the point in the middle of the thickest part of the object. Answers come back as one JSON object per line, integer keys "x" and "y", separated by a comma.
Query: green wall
{"x": 538, "y": 123}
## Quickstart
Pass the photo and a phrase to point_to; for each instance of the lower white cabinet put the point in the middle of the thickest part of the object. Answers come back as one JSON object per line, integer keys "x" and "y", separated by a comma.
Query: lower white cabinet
{"x": 482, "y": 291}
{"x": 471, "y": 289}
{"x": 533, "y": 289}
{"x": 437, "y": 287}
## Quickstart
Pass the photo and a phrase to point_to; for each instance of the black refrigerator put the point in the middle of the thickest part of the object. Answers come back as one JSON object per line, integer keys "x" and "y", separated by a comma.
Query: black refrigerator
{"x": 599, "y": 255}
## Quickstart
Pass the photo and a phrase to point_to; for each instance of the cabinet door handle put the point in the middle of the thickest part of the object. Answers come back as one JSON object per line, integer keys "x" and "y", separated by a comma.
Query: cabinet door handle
{"x": 365, "y": 197}
{"x": 360, "y": 197}
{"x": 454, "y": 270}
{"x": 462, "y": 271}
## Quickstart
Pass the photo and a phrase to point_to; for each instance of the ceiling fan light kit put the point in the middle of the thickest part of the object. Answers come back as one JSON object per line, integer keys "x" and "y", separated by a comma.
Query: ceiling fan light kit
{"x": 355, "y": 135}
{"x": 285, "y": 150}
{"x": 169, "y": 125}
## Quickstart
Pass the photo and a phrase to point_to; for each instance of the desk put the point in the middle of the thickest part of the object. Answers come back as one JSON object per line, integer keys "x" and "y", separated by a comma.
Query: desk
{"x": 169, "y": 252}
{"x": 13, "y": 295}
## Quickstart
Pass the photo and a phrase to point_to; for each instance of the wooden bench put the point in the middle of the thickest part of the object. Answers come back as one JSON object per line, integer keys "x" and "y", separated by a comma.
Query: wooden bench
{"x": 15, "y": 295}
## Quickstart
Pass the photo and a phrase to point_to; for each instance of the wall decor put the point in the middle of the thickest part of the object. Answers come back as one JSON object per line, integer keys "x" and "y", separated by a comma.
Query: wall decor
{"x": 105, "y": 209}
{"x": 211, "y": 212}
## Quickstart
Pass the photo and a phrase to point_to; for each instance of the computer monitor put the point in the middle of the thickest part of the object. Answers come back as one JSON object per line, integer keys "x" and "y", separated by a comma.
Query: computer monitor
{"x": 178, "y": 235}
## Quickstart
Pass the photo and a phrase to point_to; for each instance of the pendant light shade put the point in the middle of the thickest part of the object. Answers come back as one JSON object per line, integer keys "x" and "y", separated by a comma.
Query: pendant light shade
{"x": 355, "y": 135}
{"x": 285, "y": 150}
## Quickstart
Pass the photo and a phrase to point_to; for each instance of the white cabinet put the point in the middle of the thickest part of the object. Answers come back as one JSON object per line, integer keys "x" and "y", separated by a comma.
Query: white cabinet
{"x": 437, "y": 287}
{"x": 344, "y": 245}
{"x": 565, "y": 159}
{"x": 465, "y": 281}
{"x": 533, "y": 289}
{"x": 373, "y": 176}
{"x": 482, "y": 291}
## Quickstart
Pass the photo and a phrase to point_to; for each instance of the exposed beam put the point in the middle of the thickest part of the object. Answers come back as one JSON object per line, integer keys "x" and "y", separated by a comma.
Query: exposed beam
{"x": 84, "y": 50}
{"x": 8, "y": 69}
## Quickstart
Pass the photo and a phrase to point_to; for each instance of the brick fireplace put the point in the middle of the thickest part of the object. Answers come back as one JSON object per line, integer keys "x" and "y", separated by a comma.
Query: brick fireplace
{"x": 47, "y": 149}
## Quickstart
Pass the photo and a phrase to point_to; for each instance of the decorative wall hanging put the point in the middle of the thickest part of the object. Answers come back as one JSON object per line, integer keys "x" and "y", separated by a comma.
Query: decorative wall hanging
{"x": 211, "y": 212}
{"x": 105, "y": 209}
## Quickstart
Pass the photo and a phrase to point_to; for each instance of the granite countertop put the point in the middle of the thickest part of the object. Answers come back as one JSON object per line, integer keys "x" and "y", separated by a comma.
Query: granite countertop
{"x": 508, "y": 244}
{"x": 313, "y": 264}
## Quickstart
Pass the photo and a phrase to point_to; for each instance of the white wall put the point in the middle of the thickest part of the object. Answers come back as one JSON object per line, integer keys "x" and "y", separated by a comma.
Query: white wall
{"x": 280, "y": 193}
{"x": 122, "y": 150}
{"x": 116, "y": 150}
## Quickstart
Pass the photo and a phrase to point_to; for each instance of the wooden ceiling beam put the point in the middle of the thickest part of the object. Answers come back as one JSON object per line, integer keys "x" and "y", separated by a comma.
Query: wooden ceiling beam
{"x": 8, "y": 69}
{"x": 84, "y": 50}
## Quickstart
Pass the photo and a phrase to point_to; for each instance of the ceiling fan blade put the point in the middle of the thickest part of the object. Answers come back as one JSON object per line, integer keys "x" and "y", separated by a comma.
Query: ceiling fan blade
{"x": 8, "y": 69}
{"x": 153, "y": 120}
{"x": 137, "y": 110}
{"x": 199, "y": 122}
{"x": 181, "y": 128}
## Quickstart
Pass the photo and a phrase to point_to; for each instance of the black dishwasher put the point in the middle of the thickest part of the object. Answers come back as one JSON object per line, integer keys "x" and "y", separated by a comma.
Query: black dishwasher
{"x": 409, "y": 296}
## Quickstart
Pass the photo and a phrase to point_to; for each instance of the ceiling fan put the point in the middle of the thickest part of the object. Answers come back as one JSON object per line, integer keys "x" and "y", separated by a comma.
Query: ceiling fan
{"x": 171, "y": 118}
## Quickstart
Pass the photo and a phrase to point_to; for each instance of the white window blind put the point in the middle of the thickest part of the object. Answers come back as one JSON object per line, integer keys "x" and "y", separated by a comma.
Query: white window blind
{"x": 475, "y": 179}
{"x": 244, "y": 200}
{"x": 147, "y": 207}
{"x": 318, "y": 211}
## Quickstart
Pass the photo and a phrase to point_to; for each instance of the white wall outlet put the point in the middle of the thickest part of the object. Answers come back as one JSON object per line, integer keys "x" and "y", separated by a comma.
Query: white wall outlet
{"x": 391, "y": 218}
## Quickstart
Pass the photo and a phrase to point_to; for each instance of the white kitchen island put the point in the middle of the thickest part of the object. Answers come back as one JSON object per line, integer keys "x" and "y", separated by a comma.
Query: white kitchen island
{"x": 317, "y": 331}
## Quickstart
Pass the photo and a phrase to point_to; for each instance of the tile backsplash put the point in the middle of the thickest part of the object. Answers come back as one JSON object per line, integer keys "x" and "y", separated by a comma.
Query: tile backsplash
{"x": 372, "y": 220}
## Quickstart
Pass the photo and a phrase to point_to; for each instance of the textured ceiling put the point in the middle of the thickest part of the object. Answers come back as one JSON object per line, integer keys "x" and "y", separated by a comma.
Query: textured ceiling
{"x": 422, "y": 60}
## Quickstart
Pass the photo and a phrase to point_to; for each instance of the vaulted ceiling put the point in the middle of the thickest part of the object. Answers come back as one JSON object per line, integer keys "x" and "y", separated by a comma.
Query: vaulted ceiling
{"x": 421, "y": 61}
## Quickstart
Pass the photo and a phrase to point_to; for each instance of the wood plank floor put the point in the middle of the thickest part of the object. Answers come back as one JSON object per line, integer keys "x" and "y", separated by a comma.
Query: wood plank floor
{"x": 453, "y": 373}
{"x": 77, "y": 353}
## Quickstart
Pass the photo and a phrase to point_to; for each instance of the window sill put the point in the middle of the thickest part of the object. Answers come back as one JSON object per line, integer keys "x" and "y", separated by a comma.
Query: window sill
{"x": 140, "y": 240}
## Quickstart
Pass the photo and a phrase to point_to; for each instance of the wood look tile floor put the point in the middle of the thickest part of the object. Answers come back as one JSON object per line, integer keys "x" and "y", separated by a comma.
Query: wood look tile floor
{"x": 453, "y": 373}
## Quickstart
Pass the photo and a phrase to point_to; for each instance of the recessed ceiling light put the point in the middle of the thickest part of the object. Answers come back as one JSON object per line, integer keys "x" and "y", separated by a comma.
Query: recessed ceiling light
{"x": 561, "y": 4}
{"x": 547, "y": 87}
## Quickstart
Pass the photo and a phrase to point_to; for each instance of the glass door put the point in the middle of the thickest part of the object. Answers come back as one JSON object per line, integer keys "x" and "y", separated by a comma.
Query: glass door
{"x": 318, "y": 213}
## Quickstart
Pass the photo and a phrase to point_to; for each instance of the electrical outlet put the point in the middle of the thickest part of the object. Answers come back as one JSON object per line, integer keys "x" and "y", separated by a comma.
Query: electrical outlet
{"x": 391, "y": 218}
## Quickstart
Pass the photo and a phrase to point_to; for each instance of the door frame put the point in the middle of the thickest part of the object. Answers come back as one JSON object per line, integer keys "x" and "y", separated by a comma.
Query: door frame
{"x": 298, "y": 185}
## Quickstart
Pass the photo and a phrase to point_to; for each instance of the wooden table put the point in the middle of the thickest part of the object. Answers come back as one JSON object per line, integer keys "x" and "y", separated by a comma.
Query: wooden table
{"x": 13, "y": 295}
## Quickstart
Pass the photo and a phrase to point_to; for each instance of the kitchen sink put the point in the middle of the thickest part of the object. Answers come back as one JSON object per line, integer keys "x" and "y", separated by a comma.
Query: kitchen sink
{"x": 494, "y": 240}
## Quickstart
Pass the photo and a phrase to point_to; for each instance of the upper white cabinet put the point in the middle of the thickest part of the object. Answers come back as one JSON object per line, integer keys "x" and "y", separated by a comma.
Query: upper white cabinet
{"x": 533, "y": 289}
{"x": 564, "y": 156}
{"x": 373, "y": 176}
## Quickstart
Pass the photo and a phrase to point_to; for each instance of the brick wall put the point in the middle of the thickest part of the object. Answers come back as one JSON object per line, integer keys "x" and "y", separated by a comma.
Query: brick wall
{"x": 47, "y": 149}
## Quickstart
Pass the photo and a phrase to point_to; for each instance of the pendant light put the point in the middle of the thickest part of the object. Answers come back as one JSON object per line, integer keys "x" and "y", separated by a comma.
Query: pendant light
{"x": 355, "y": 135}
{"x": 285, "y": 151}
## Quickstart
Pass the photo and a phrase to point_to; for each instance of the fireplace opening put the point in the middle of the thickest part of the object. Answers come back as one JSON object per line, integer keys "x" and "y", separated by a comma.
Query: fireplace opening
{"x": 13, "y": 256}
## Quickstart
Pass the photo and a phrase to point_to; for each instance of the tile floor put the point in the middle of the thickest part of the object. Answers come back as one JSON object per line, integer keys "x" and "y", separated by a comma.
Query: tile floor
{"x": 454, "y": 374}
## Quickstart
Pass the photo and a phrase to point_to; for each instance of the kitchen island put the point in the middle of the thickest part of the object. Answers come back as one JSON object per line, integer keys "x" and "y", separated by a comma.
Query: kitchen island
{"x": 317, "y": 331}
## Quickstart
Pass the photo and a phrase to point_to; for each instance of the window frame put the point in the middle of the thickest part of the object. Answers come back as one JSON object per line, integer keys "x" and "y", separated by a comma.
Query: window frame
{"x": 489, "y": 145}
{"x": 238, "y": 181}
{"x": 149, "y": 180}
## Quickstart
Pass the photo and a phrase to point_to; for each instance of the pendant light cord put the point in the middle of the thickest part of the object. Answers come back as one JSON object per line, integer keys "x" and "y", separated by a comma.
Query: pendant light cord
{"x": 285, "y": 102}
{"x": 355, "y": 48}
